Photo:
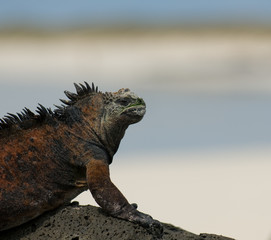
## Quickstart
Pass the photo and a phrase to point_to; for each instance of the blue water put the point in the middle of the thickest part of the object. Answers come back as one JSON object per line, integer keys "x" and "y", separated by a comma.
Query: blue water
{"x": 193, "y": 122}
{"x": 174, "y": 121}
{"x": 69, "y": 13}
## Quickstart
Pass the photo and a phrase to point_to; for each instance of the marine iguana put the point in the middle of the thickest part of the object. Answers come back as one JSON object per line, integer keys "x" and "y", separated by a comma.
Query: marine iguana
{"x": 48, "y": 158}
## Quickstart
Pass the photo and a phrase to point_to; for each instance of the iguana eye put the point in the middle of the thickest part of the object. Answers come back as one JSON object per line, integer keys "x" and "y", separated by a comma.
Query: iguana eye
{"x": 123, "y": 101}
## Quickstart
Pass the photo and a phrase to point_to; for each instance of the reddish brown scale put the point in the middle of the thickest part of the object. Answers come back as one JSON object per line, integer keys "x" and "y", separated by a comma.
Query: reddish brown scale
{"x": 48, "y": 159}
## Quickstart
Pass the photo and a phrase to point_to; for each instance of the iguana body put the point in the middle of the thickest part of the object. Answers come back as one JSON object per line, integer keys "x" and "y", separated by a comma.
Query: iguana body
{"x": 48, "y": 159}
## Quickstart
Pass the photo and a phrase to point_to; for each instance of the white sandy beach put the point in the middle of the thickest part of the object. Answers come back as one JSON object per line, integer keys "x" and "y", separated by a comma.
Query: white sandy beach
{"x": 211, "y": 62}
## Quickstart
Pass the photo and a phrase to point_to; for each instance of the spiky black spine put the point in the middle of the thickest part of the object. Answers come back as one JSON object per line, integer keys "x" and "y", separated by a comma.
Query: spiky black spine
{"x": 46, "y": 113}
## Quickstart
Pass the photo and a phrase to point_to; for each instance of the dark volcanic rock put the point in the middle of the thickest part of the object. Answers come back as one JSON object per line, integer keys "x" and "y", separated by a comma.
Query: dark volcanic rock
{"x": 76, "y": 222}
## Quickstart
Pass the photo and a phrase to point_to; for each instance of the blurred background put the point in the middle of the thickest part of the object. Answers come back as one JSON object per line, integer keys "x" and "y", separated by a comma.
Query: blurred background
{"x": 200, "y": 158}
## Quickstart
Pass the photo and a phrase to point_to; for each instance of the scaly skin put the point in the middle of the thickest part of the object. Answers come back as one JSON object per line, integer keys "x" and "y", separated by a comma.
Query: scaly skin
{"x": 48, "y": 159}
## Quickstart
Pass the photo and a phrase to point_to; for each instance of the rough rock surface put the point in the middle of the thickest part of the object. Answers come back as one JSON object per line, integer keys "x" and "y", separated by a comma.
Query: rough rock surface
{"x": 76, "y": 222}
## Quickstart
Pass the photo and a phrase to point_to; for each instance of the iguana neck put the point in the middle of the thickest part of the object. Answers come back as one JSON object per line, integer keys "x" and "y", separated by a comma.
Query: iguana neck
{"x": 106, "y": 136}
{"x": 113, "y": 136}
{"x": 94, "y": 126}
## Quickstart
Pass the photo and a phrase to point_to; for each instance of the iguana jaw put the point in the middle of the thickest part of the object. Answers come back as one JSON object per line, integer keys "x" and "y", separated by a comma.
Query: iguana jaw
{"x": 136, "y": 109}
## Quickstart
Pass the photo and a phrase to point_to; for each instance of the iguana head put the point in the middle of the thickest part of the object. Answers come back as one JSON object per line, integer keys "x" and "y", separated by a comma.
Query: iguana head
{"x": 123, "y": 106}
{"x": 121, "y": 109}
{"x": 103, "y": 116}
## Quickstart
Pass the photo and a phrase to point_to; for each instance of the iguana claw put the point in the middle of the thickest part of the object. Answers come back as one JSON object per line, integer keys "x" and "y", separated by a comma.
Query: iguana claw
{"x": 156, "y": 229}
{"x": 146, "y": 221}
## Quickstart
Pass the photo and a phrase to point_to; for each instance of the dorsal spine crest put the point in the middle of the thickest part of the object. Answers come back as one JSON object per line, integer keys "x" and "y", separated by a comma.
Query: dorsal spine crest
{"x": 9, "y": 120}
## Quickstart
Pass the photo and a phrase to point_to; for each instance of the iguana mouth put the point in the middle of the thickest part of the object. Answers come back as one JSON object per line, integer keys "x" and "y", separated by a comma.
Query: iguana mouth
{"x": 137, "y": 108}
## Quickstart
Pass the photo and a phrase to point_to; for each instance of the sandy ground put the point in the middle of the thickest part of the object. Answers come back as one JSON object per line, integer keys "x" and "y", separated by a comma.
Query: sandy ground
{"x": 177, "y": 61}
{"x": 224, "y": 193}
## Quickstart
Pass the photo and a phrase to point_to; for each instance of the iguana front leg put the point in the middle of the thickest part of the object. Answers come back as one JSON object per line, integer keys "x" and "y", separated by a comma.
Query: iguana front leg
{"x": 112, "y": 200}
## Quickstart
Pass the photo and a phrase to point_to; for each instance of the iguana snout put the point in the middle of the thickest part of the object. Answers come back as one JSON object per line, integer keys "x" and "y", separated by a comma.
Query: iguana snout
{"x": 133, "y": 106}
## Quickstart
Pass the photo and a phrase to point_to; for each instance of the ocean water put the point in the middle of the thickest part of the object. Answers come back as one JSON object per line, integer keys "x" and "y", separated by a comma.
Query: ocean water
{"x": 53, "y": 13}
{"x": 194, "y": 122}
